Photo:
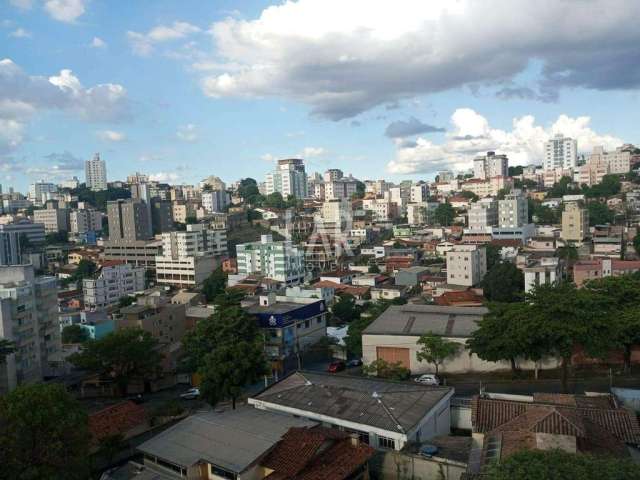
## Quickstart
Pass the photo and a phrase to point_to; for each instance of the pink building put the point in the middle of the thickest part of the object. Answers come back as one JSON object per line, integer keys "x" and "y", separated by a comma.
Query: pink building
{"x": 603, "y": 267}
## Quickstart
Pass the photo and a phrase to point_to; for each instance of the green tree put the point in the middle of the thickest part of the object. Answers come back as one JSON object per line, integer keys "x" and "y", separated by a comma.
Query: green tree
{"x": 360, "y": 188}
{"x": 126, "y": 301}
{"x": 561, "y": 465}
{"x": 545, "y": 215}
{"x": 504, "y": 282}
{"x": 470, "y": 195}
{"x": 435, "y": 349}
{"x": 503, "y": 334}
{"x": 636, "y": 244}
{"x": 57, "y": 237}
{"x": 566, "y": 318}
{"x": 227, "y": 351}
{"x": 7, "y": 347}
{"x": 562, "y": 187}
{"x": 248, "y": 190}
{"x": 374, "y": 268}
{"x": 568, "y": 253}
{"x": 346, "y": 308}
{"x": 503, "y": 192}
{"x": 74, "y": 334}
{"x": 353, "y": 340}
{"x": 599, "y": 213}
{"x": 622, "y": 295}
{"x": 493, "y": 255}
{"x": 110, "y": 446}
{"x": 444, "y": 214}
{"x": 215, "y": 284}
{"x": 123, "y": 355}
{"x": 43, "y": 434}
{"x": 383, "y": 369}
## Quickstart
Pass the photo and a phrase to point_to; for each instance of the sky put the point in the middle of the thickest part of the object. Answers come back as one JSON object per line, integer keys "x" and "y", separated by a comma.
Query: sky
{"x": 387, "y": 89}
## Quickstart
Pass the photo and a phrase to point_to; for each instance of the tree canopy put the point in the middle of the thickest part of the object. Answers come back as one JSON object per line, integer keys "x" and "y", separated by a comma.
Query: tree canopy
{"x": 444, "y": 214}
{"x": 435, "y": 349}
{"x": 214, "y": 284}
{"x": 43, "y": 434}
{"x": 227, "y": 351}
{"x": 383, "y": 369}
{"x": 353, "y": 340}
{"x": 123, "y": 355}
{"x": 560, "y": 465}
{"x": 504, "y": 282}
{"x": 346, "y": 308}
{"x": 599, "y": 213}
{"x": 74, "y": 334}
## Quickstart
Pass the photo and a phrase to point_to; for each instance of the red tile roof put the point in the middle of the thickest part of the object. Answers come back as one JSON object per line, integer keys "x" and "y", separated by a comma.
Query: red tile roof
{"x": 316, "y": 454}
{"x": 455, "y": 298}
{"x": 119, "y": 418}
{"x": 490, "y": 414}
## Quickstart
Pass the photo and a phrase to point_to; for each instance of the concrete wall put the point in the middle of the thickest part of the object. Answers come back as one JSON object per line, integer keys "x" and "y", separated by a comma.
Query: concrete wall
{"x": 463, "y": 362}
{"x": 400, "y": 465}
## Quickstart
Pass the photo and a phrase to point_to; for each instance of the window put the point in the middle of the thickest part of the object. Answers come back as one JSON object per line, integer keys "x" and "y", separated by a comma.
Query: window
{"x": 384, "y": 442}
{"x": 306, "y": 324}
{"x": 220, "y": 472}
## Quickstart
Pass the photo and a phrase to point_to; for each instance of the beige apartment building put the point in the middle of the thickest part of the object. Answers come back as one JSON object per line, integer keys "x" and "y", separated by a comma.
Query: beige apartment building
{"x": 466, "y": 265}
{"x": 575, "y": 223}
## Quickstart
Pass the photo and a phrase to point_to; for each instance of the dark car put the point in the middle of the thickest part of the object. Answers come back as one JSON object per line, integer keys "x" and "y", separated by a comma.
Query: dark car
{"x": 356, "y": 362}
{"x": 335, "y": 367}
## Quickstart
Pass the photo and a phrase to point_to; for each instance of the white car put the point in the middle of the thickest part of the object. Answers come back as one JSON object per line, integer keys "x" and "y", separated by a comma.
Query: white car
{"x": 191, "y": 394}
{"x": 427, "y": 379}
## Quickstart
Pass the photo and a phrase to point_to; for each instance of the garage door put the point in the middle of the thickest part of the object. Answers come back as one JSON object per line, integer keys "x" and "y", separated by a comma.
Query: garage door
{"x": 394, "y": 354}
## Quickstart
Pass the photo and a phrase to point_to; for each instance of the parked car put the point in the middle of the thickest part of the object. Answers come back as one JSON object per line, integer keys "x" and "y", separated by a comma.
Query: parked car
{"x": 428, "y": 451}
{"x": 137, "y": 399}
{"x": 335, "y": 367}
{"x": 191, "y": 394}
{"x": 356, "y": 362}
{"x": 427, "y": 379}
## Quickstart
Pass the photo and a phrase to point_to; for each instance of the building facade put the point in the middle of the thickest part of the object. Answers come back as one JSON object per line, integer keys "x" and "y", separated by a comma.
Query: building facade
{"x": 560, "y": 152}
{"x": 575, "y": 223}
{"x": 289, "y": 178}
{"x": 466, "y": 265}
{"x": 276, "y": 260}
{"x": 96, "y": 174}
{"x": 490, "y": 165}
{"x": 113, "y": 281}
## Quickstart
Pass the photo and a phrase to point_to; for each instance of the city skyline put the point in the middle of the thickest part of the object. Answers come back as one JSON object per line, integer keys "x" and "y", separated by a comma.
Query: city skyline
{"x": 223, "y": 90}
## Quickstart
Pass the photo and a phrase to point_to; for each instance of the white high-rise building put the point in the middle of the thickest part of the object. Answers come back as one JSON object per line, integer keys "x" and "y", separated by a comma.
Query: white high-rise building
{"x": 114, "y": 280}
{"x": 189, "y": 257}
{"x": 96, "y": 173}
{"x": 491, "y": 165}
{"x": 289, "y": 178}
{"x": 38, "y": 191}
{"x": 560, "y": 152}
{"x": 276, "y": 260}
{"x": 419, "y": 193}
{"x": 215, "y": 201}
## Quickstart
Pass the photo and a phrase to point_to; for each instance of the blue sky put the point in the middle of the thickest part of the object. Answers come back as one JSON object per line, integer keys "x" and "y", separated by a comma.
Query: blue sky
{"x": 183, "y": 90}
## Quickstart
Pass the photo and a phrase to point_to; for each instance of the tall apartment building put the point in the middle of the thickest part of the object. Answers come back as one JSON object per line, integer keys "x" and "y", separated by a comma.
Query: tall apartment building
{"x": 161, "y": 216}
{"x": 513, "y": 210}
{"x": 466, "y": 265}
{"x": 114, "y": 280}
{"x": 483, "y": 215}
{"x": 213, "y": 182}
{"x": 335, "y": 217}
{"x": 289, "y": 178}
{"x": 216, "y": 200}
{"x": 189, "y": 257}
{"x": 96, "y": 173}
{"x": 277, "y": 260}
{"x": 491, "y": 165}
{"x": 53, "y": 218}
{"x": 343, "y": 187}
{"x": 560, "y": 152}
{"x": 9, "y": 248}
{"x": 421, "y": 213}
{"x": 129, "y": 220}
{"x": 419, "y": 193}
{"x": 182, "y": 210}
{"x": 29, "y": 319}
{"x": 382, "y": 209}
{"x": 618, "y": 162}
{"x": 575, "y": 223}
{"x": 83, "y": 220}
{"x": 39, "y": 191}
{"x": 332, "y": 174}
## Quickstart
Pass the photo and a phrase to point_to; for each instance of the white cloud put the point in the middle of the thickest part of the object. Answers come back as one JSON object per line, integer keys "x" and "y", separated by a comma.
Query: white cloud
{"x": 310, "y": 152}
{"x": 471, "y": 134}
{"x": 187, "y": 133}
{"x": 97, "y": 42}
{"x": 111, "y": 136}
{"x": 58, "y": 166}
{"x": 164, "y": 177}
{"x": 64, "y": 10}
{"x": 20, "y": 33}
{"x": 22, "y": 96}
{"x": 267, "y": 157}
{"x": 343, "y": 57}
{"x": 143, "y": 43}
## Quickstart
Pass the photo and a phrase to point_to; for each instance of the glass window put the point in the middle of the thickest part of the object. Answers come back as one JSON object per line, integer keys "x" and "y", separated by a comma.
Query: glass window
{"x": 384, "y": 442}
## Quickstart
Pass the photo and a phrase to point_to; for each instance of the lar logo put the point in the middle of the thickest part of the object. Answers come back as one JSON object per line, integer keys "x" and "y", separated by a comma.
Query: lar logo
{"x": 272, "y": 321}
